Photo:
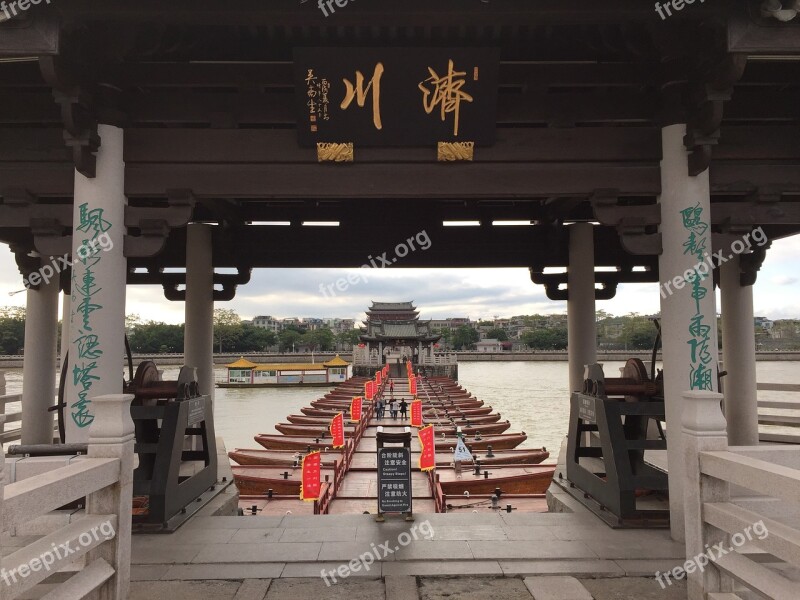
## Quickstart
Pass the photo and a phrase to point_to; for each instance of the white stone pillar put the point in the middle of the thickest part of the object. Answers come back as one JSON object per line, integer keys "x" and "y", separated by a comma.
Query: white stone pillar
{"x": 702, "y": 428}
{"x": 39, "y": 366}
{"x": 199, "y": 332}
{"x": 739, "y": 354}
{"x": 99, "y": 272}
{"x": 689, "y": 324}
{"x": 113, "y": 437}
{"x": 581, "y": 321}
{"x": 65, "y": 318}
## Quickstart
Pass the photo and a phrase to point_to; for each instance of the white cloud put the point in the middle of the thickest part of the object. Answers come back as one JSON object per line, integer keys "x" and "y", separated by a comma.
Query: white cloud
{"x": 438, "y": 293}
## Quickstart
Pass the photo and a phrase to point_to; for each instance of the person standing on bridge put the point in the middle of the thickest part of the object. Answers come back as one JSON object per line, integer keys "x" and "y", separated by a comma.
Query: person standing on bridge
{"x": 391, "y": 388}
{"x": 403, "y": 409}
{"x": 393, "y": 408}
{"x": 380, "y": 408}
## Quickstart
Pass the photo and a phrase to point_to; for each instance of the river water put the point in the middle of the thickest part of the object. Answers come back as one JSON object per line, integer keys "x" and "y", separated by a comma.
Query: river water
{"x": 532, "y": 395}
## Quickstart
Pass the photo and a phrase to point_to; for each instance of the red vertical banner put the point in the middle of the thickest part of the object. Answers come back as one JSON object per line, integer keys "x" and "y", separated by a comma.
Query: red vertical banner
{"x": 312, "y": 481}
{"x": 337, "y": 430}
{"x": 412, "y": 386}
{"x": 369, "y": 391}
{"x": 427, "y": 457}
{"x": 416, "y": 413}
{"x": 356, "y": 405}
{"x": 378, "y": 378}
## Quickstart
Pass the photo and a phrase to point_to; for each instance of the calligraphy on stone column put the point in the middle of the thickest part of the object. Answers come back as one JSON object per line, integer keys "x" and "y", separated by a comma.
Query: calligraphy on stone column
{"x": 84, "y": 291}
{"x": 701, "y": 355}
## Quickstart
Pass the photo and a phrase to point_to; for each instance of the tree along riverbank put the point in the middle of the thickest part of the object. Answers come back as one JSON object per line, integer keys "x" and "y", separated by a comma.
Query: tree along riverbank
{"x": 15, "y": 362}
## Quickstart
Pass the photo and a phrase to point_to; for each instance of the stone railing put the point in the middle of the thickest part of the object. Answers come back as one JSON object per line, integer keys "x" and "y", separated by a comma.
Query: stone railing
{"x": 723, "y": 529}
{"x": 14, "y": 433}
{"x": 789, "y": 401}
{"x": 439, "y": 359}
{"x": 102, "y": 536}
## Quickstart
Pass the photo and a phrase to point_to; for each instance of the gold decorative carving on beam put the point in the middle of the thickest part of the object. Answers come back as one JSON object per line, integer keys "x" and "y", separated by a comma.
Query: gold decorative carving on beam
{"x": 334, "y": 152}
{"x": 453, "y": 151}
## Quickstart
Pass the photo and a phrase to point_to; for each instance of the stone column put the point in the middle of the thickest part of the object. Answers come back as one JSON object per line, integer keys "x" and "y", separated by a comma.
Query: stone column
{"x": 113, "y": 437}
{"x": 703, "y": 430}
{"x": 739, "y": 354}
{"x": 39, "y": 366}
{"x": 99, "y": 272}
{"x": 689, "y": 324}
{"x": 199, "y": 334}
{"x": 581, "y": 320}
{"x": 65, "y": 318}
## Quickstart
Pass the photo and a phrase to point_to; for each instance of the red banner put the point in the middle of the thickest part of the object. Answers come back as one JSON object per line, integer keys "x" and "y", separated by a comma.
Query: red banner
{"x": 312, "y": 481}
{"x": 412, "y": 385}
{"x": 337, "y": 430}
{"x": 427, "y": 457}
{"x": 416, "y": 413}
{"x": 369, "y": 390}
{"x": 356, "y": 404}
{"x": 378, "y": 378}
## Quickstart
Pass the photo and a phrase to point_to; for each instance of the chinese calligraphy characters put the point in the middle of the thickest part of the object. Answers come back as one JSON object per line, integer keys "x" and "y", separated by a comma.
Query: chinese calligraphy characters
{"x": 359, "y": 93}
{"x": 447, "y": 92}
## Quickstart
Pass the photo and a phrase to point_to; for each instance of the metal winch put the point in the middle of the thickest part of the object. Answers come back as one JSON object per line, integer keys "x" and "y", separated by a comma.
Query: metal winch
{"x": 175, "y": 444}
{"x": 612, "y": 422}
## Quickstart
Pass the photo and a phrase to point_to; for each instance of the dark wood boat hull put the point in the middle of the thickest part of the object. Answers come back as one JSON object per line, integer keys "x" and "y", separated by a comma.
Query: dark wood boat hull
{"x": 254, "y": 480}
{"x": 497, "y": 442}
{"x": 535, "y": 482}
{"x": 281, "y": 442}
{"x": 276, "y": 458}
{"x": 286, "y": 458}
{"x": 323, "y": 420}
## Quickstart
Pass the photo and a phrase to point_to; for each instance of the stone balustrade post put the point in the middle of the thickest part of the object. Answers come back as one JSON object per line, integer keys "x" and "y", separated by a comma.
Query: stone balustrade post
{"x": 112, "y": 436}
{"x": 2, "y": 404}
{"x": 704, "y": 430}
{"x": 2, "y": 479}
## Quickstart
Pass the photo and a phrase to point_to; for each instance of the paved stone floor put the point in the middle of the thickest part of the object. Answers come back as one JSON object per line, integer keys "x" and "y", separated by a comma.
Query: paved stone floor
{"x": 445, "y": 545}
{"x": 411, "y": 588}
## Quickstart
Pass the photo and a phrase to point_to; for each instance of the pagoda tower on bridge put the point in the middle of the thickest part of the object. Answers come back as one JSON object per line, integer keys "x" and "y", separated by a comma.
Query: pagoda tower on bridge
{"x": 394, "y": 333}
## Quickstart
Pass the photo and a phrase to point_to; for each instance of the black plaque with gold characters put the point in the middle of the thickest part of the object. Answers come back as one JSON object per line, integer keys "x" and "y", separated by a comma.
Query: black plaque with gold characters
{"x": 396, "y": 96}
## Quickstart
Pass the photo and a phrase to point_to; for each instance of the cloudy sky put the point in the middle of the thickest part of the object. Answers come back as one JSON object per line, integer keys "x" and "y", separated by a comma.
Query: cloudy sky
{"x": 438, "y": 293}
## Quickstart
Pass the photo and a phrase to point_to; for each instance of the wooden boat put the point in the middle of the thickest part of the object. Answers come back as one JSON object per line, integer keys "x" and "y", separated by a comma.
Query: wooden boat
{"x": 501, "y": 441}
{"x": 254, "y": 480}
{"x": 312, "y": 431}
{"x": 287, "y": 458}
{"x": 262, "y": 505}
{"x": 345, "y": 404}
{"x": 285, "y": 442}
{"x": 322, "y": 431}
{"x": 532, "y": 479}
{"x": 500, "y": 457}
{"x": 467, "y": 412}
{"x": 278, "y": 458}
{"x": 482, "y": 503}
{"x": 324, "y": 420}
